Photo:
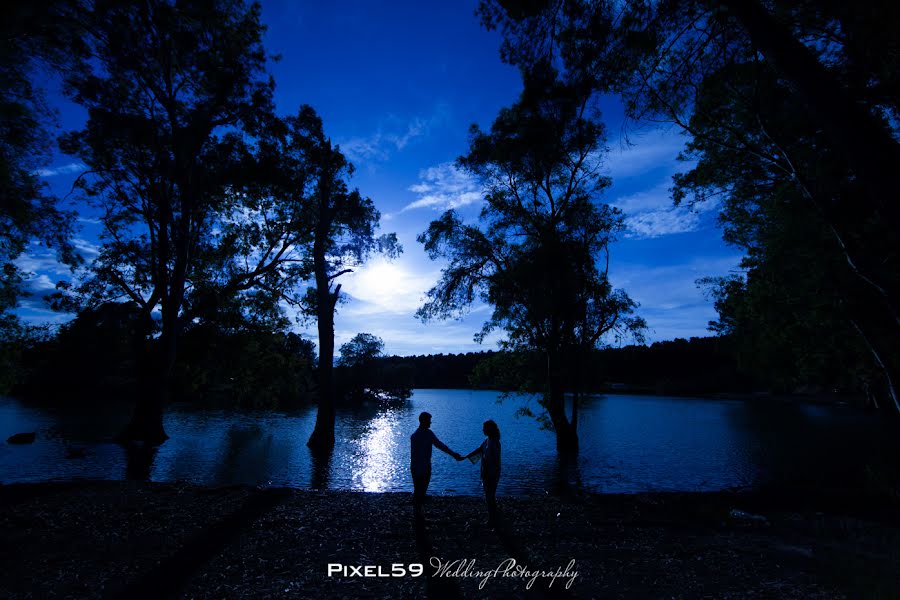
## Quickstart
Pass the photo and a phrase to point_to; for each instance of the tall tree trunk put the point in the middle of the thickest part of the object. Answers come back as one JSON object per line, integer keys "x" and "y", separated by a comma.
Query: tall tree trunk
{"x": 147, "y": 420}
{"x": 322, "y": 437}
{"x": 323, "y": 434}
{"x": 566, "y": 434}
{"x": 146, "y": 423}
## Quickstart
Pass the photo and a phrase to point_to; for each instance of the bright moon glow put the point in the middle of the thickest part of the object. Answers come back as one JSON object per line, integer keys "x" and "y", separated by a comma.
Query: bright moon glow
{"x": 389, "y": 286}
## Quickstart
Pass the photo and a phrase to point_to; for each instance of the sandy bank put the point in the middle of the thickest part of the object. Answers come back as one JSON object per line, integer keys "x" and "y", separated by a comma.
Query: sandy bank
{"x": 128, "y": 539}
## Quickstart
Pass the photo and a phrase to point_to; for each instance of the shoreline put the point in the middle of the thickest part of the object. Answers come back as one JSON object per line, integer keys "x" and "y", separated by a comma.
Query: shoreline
{"x": 854, "y": 400}
{"x": 812, "y": 398}
{"x": 95, "y": 538}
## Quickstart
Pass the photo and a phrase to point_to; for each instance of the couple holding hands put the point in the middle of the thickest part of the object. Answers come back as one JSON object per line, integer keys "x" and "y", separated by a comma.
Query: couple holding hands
{"x": 488, "y": 452}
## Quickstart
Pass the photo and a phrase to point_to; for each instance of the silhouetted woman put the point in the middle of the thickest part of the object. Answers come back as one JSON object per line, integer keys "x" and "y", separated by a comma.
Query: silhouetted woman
{"x": 489, "y": 452}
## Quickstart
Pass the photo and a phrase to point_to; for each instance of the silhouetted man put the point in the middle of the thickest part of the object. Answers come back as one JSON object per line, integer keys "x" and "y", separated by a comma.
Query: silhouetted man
{"x": 420, "y": 458}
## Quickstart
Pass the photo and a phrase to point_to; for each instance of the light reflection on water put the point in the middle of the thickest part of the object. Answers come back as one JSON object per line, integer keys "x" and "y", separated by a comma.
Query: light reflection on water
{"x": 628, "y": 444}
{"x": 375, "y": 457}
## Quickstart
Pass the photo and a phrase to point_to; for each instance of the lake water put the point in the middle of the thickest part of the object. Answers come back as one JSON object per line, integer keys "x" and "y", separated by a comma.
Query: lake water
{"x": 628, "y": 444}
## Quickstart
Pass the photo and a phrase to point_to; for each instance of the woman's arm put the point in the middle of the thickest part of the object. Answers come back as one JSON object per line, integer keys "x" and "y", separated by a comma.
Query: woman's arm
{"x": 476, "y": 451}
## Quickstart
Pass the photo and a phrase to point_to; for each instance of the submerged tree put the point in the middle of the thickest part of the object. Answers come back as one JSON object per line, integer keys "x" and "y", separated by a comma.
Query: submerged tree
{"x": 805, "y": 94}
{"x": 343, "y": 225}
{"x": 366, "y": 374}
{"x": 540, "y": 256}
{"x": 357, "y": 361}
{"x": 362, "y": 350}
{"x": 190, "y": 221}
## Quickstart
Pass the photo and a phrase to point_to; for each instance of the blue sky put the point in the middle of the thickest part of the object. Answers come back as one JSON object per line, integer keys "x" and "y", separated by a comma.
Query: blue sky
{"x": 397, "y": 85}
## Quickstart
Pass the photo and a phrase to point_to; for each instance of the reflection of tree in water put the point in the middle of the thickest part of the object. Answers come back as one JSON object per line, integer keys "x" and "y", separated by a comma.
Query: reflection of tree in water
{"x": 567, "y": 479}
{"x": 797, "y": 443}
{"x": 320, "y": 470}
{"x": 139, "y": 460}
{"x": 557, "y": 475}
{"x": 82, "y": 424}
{"x": 247, "y": 455}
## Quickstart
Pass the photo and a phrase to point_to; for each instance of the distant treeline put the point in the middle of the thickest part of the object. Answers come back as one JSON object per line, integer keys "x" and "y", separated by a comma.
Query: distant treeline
{"x": 698, "y": 365}
{"x": 94, "y": 359}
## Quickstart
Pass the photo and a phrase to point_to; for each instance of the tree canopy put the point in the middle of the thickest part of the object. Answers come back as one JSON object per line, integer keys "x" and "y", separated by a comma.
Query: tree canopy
{"x": 361, "y": 350}
{"x": 775, "y": 96}
{"x": 540, "y": 256}
{"x": 31, "y": 37}
{"x": 172, "y": 92}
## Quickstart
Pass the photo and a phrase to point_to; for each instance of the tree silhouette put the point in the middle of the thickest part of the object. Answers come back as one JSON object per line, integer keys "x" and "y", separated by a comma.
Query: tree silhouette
{"x": 540, "y": 257}
{"x": 361, "y": 351}
{"x": 343, "y": 225}
{"x": 725, "y": 73}
{"x": 32, "y": 36}
{"x": 171, "y": 89}
{"x": 357, "y": 366}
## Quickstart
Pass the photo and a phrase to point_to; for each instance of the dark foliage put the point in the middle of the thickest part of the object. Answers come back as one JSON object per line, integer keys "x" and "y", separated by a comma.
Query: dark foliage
{"x": 539, "y": 256}
{"x": 362, "y": 376}
{"x": 98, "y": 358}
{"x": 792, "y": 111}
{"x": 32, "y": 37}
{"x": 697, "y": 366}
{"x": 251, "y": 368}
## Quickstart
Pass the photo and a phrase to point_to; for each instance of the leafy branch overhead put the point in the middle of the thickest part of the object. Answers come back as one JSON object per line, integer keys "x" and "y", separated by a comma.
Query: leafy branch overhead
{"x": 791, "y": 109}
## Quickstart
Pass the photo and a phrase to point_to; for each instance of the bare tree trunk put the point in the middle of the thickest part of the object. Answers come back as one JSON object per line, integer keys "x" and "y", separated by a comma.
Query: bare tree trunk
{"x": 322, "y": 437}
{"x": 884, "y": 358}
{"x": 566, "y": 434}
{"x": 146, "y": 423}
{"x": 860, "y": 138}
{"x": 323, "y": 434}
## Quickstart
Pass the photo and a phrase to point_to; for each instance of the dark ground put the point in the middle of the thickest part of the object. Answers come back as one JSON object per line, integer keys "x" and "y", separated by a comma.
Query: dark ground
{"x": 152, "y": 540}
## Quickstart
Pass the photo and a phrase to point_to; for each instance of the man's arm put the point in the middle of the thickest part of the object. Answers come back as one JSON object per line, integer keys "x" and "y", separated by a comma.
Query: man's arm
{"x": 442, "y": 446}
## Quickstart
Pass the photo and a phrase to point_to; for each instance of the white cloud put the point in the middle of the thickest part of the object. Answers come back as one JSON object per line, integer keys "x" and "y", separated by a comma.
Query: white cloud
{"x": 671, "y": 301}
{"x": 383, "y": 143}
{"x": 662, "y": 222}
{"x": 75, "y": 167}
{"x": 445, "y": 186}
{"x": 653, "y": 199}
{"x": 86, "y": 248}
{"x": 642, "y": 153}
{"x": 35, "y": 312}
{"x": 365, "y": 149}
{"x": 650, "y": 213}
{"x": 39, "y": 259}
{"x": 39, "y": 284}
{"x": 417, "y": 127}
